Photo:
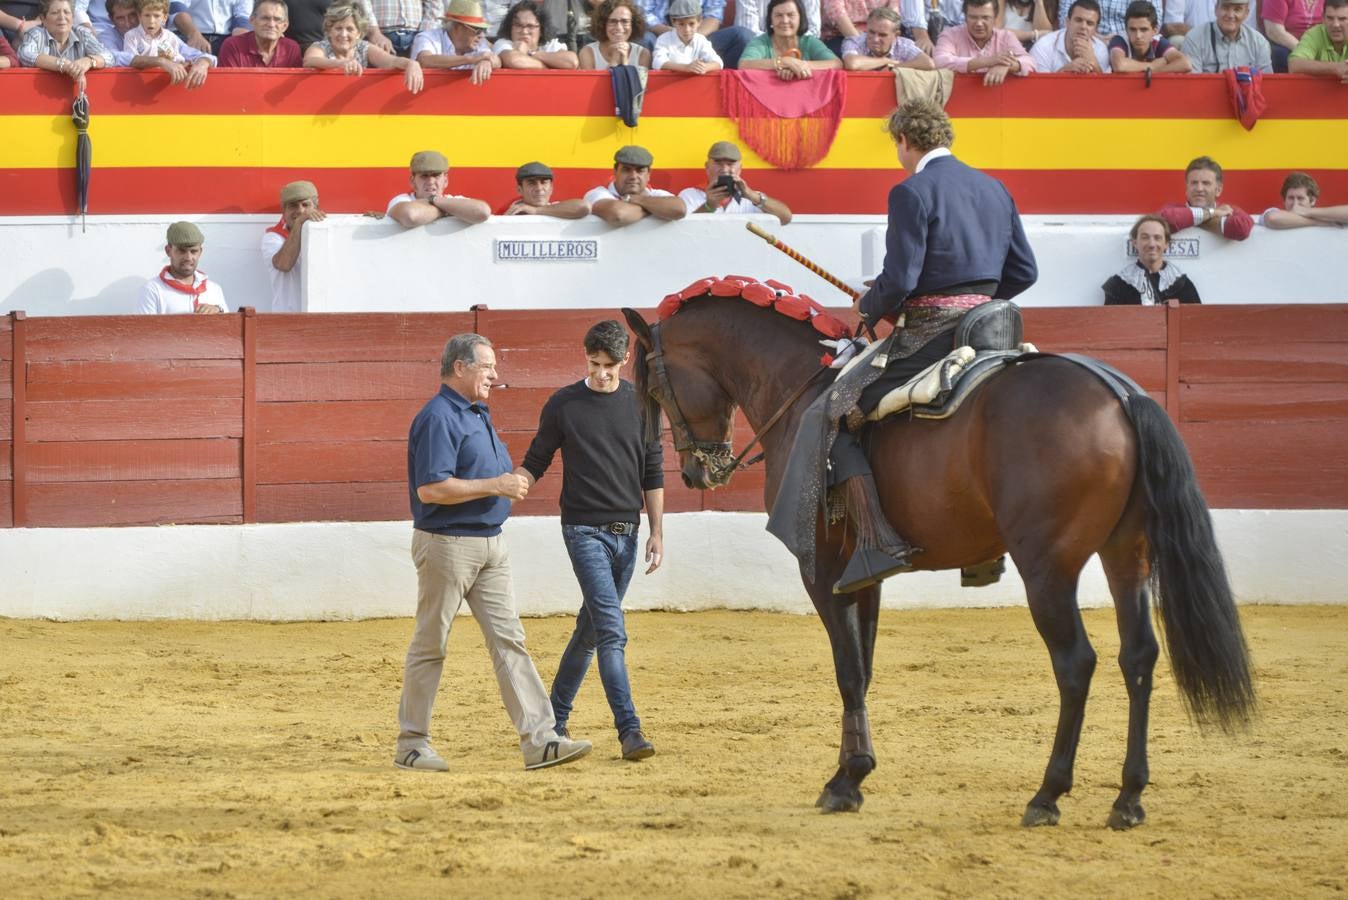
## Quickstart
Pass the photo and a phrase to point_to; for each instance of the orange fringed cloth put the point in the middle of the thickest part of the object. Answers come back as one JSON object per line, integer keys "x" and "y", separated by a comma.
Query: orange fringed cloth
{"x": 791, "y": 124}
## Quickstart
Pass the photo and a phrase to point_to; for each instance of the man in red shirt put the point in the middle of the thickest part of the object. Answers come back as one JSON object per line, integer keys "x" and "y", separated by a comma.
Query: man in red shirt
{"x": 1202, "y": 187}
{"x": 266, "y": 46}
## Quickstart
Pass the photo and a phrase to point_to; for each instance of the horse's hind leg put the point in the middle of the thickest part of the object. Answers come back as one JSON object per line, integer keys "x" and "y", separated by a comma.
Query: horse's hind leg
{"x": 851, "y": 624}
{"x": 1125, "y": 563}
{"x": 1051, "y": 587}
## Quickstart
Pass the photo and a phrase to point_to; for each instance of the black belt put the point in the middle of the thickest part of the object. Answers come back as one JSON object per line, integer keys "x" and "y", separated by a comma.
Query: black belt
{"x": 623, "y": 528}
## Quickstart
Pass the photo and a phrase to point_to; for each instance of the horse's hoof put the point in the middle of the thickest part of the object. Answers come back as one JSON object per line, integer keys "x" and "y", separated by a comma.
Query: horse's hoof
{"x": 1040, "y": 815}
{"x": 830, "y": 802}
{"x": 1123, "y": 819}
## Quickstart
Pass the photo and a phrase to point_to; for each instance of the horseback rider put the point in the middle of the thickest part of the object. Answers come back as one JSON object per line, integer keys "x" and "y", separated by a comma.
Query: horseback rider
{"x": 954, "y": 242}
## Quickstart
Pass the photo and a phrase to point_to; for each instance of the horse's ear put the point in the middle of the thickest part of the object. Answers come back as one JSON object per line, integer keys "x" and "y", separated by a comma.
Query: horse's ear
{"x": 639, "y": 327}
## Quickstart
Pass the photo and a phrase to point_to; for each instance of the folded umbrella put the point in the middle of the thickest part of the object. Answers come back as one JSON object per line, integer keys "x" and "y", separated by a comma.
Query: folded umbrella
{"x": 84, "y": 153}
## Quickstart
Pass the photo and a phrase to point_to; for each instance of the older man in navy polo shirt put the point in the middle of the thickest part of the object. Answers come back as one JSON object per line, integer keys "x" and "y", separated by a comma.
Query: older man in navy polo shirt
{"x": 462, "y": 482}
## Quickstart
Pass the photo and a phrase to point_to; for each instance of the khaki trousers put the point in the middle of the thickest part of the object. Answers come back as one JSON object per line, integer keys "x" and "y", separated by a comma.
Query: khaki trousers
{"x": 451, "y": 569}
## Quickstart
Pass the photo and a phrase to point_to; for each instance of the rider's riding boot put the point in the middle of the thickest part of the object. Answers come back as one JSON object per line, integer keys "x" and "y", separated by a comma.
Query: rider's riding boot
{"x": 880, "y": 551}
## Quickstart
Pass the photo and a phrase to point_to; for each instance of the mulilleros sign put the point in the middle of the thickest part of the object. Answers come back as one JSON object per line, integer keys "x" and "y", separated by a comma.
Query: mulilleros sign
{"x": 547, "y": 251}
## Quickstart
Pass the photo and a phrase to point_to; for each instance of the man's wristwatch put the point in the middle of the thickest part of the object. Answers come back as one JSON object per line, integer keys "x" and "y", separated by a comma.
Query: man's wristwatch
{"x": 762, "y": 200}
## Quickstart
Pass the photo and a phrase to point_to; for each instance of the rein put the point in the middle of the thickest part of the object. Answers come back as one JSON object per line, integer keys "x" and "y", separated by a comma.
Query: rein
{"x": 717, "y": 457}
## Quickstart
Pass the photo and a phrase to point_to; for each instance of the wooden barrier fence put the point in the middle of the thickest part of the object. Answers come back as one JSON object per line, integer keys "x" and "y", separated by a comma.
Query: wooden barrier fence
{"x": 127, "y": 420}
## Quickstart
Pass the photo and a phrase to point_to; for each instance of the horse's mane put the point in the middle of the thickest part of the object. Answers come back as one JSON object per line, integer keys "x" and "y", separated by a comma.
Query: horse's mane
{"x": 768, "y": 294}
{"x": 650, "y": 407}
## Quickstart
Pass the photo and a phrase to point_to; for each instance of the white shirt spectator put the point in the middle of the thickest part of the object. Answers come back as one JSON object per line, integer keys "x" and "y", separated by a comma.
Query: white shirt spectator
{"x": 137, "y": 43}
{"x": 1189, "y": 12}
{"x": 438, "y": 42}
{"x": 670, "y": 49}
{"x": 610, "y": 192}
{"x": 408, "y": 197}
{"x": 504, "y": 44}
{"x": 159, "y": 298}
{"x": 694, "y": 198}
{"x": 218, "y": 16}
{"x": 286, "y": 288}
{"x": 1050, "y": 52}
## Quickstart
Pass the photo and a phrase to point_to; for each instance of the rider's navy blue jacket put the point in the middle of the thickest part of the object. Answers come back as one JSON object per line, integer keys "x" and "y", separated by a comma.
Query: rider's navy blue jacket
{"x": 950, "y": 226}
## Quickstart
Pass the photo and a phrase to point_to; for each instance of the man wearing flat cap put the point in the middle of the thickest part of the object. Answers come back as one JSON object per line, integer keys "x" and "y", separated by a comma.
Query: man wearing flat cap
{"x": 179, "y": 287}
{"x": 460, "y": 44}
{"x": 281, "y": 244}
{"x": 427, "y": 201}
{"x": 533, "y": 181}
{"x": 628, "y": 197}
{"x": 734, "y": 198}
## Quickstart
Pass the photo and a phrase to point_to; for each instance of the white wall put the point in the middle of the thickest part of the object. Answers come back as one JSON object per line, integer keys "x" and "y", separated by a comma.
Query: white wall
{"x": 714, "y": 560}
{"x": 355, "y": 263}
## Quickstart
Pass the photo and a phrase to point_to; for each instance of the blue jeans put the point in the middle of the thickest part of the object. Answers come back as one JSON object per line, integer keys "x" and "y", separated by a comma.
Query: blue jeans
{"x": 401, "y": 38}
{"x": 603, "y": 563}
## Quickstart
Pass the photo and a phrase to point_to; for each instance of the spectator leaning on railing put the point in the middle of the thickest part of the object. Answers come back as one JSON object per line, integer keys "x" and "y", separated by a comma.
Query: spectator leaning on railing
{"x": 1285, "y": 21}
{"x": 1300, "y": 209}
{"x": 527, "y": 40}
{"x": 978, "y": 46}
{"x": 307, "y": 23}
{"x": 737, "y": 198}
{"x": 533, "y": 184}
{"x": 123, "y": 17}
{"x": 882, "y": 47}
{"x": 1143, "y": 50}
{"x": 1202, "y": 188}
{"x": 1075, "y": 47}
{"x": 345, "y": 49}
{"x": 266, "y": 46}
{"x": 152, "y": 47}
{"x": 1228, "y": 43}
{"x": 281, "y": 244}
{"x": 683, "y": 48}
{"x": 427, "y": 201}
{"x": 786, "y": 47}
{"x": 59, "y": 45}
{"x": 97, "y": 14}
{"x": 1323, "y": 50}
{"x": 461, "y": 44}
{"x": 727, "y": 40}
{"x": 617, "y": 27}
{"x": 629, "y": 197}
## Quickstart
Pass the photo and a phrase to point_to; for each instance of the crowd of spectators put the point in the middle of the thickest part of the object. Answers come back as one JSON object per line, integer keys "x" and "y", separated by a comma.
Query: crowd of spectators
{"x": 793, "y": 38}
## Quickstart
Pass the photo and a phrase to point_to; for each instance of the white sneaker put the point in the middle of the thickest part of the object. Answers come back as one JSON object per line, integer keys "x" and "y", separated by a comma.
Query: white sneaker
{"x": 555, "y": 753}
{"x": 423, "y": 758}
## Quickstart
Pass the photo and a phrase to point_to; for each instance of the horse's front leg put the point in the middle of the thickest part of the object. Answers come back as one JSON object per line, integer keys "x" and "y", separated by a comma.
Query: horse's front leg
{"x": 851, "y": 624}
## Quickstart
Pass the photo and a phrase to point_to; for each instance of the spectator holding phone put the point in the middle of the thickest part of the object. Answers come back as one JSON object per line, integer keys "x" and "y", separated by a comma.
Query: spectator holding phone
{"x": 727, "y": 192}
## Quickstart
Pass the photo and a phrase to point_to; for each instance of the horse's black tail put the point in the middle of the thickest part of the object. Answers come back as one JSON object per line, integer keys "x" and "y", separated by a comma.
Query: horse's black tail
{"x": 1188, "y": 578}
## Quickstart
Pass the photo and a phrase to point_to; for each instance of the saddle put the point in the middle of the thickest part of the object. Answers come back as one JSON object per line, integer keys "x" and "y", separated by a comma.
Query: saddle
{"x": 986, "y": 339}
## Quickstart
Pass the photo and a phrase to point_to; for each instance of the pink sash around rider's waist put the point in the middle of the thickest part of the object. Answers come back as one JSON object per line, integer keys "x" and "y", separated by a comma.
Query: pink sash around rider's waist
{"x": 947, "y": 301}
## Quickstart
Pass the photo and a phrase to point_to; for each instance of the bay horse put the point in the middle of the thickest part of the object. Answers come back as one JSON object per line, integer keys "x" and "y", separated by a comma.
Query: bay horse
{"x": 1042, "y": 462}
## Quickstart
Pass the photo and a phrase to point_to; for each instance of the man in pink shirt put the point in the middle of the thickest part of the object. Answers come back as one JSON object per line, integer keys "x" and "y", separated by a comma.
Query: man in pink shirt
{"x": 980, "y": 47}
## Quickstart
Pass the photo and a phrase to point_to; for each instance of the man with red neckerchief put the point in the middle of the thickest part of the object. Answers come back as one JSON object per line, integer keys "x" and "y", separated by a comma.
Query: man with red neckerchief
{"x": 281, "y": 244}
{"x": 179, "y": 287}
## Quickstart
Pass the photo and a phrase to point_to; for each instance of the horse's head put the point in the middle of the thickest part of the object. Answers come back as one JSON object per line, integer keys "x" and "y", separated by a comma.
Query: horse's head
{"x": 675, "y": 373}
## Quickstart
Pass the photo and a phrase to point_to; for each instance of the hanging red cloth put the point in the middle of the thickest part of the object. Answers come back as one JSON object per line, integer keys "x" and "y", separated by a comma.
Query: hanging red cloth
{"x": 791, "y": 124}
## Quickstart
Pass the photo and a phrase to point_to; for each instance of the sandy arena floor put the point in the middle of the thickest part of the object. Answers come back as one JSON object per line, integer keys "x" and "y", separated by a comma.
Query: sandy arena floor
{"x": 246, "y": 760}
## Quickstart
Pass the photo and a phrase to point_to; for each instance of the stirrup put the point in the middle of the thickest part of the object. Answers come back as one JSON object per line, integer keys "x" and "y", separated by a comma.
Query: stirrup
{"x": 870, "y": 566}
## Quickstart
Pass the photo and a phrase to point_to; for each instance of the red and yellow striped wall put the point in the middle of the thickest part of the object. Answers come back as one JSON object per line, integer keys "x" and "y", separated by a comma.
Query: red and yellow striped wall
{"x": 1062, "y": 143}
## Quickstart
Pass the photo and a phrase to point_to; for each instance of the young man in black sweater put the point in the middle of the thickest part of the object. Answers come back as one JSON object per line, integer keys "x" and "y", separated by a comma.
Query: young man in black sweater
{"x": 608, "y": 469}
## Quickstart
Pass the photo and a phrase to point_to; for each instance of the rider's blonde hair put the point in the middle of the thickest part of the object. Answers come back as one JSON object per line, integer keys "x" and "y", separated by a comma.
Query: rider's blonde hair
{"x": 923, "y": 123}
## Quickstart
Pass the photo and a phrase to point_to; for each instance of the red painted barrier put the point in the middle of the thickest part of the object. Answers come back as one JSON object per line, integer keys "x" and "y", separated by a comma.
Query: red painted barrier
{"x": 181, "y": 419}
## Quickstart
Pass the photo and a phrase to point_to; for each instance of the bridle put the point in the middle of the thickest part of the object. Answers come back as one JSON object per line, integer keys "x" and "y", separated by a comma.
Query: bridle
{"x": 717, "y": 457}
